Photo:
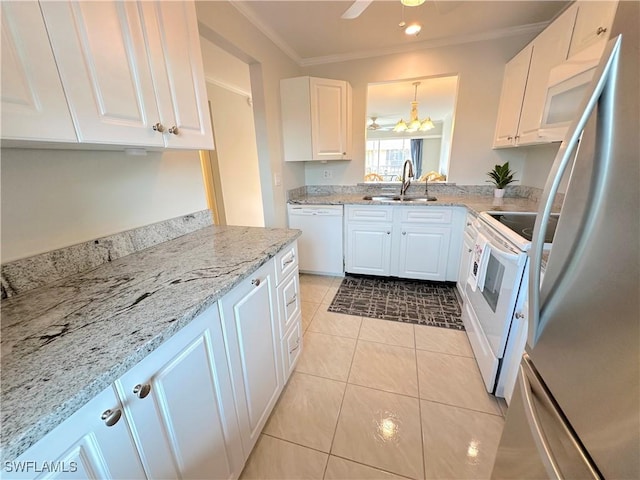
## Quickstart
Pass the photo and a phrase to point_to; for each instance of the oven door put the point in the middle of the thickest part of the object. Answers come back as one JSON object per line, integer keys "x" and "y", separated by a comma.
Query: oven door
{"x": 495, "y": 304}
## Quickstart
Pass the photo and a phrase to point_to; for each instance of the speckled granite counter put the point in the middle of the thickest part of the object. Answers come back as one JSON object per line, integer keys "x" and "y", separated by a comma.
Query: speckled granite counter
{"x": 475, "y": 203}
{"x": 64, "y": 343}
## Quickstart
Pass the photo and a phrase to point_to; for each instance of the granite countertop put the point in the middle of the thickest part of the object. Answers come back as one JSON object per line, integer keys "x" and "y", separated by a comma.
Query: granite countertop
{"x": 475, "y": 203}
{"x": 64, "y": 343}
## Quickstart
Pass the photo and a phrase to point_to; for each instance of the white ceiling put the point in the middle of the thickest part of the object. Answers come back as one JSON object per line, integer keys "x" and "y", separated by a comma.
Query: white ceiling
{"x": 312, "y": 32}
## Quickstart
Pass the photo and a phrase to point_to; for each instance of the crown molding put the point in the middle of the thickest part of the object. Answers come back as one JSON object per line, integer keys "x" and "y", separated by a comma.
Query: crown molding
{"x": 249, "y": 14}
{"x": 228, "y": 86}
{"x": 435, "y": 43}
{"x": 271, "y": 34}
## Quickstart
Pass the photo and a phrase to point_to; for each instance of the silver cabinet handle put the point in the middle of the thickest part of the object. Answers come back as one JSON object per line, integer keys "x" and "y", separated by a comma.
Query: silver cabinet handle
{"x": 158, "y": 127}
{"x": 256, "y": 282}
{"x": 404, "y": 233}
{"x": 469, "y": 250}
{"x": 141, "y": 391}
{"x": 388, "y": 233}
{"x": 174, "y": 130}
{"x": 111, "y": 417}
{"x": 518, "y": 314}
{"x": 468, "y": 224}
{"x": 287, "y": 262}
{"x": 296, "y": 347}
{"x": 509, "y": 137}
{"x": 293, "y": 299}
{"x": 517, "y": 137}
{"x": 600, "y": 30}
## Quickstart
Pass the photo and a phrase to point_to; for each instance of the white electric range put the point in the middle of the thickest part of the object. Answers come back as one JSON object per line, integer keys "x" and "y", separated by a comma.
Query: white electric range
{"x": 495, "y": 312}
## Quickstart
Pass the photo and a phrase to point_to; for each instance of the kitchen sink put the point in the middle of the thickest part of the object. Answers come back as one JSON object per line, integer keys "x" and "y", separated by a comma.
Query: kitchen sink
{"x": 399, "y": 199}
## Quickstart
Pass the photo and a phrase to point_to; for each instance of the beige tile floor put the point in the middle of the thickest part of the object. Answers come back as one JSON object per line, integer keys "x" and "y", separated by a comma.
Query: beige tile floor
{"x": 373, "y": 399}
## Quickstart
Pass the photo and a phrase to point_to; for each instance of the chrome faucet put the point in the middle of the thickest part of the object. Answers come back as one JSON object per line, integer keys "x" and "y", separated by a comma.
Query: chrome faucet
{"x": 406, "y": 177}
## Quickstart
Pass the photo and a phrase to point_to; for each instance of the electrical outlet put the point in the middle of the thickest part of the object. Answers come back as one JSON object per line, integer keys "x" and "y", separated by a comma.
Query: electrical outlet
{"x": 327, "y": 174}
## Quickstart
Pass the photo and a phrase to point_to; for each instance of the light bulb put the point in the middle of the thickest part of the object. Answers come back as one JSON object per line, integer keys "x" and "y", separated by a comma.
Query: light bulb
{"x": 413, "y": 29}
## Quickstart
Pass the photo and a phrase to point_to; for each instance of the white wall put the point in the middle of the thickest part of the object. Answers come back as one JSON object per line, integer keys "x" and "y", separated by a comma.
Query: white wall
{"x": 223, "y": 25}
{"x": 480, "y": 68}
{"x": 430, "y": 154}
{"x": 235, "y": 138}
{"x": 56, "y": 198}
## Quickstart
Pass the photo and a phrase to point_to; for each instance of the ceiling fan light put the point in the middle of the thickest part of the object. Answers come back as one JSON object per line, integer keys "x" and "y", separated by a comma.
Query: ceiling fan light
{"x": 412, "y": 3}
{"x": 427, "y": 124}
{"x": 401, "y": 126}
{"x": 413, "y": 29}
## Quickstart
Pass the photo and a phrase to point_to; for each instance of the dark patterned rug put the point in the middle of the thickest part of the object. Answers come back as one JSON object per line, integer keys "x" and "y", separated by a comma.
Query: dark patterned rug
{"x": 401, "y": 300}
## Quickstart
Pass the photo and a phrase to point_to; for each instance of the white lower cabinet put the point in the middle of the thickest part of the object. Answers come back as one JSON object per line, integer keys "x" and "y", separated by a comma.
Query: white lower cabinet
{"x": 251, "y": 332}
{"x": 424, "y": 252}
{"x": 83, "y": 446}
{"x": 412, "y": 242}
{"x": 180, "y": 406}
{"x": 369, "y": 248}
{"x": 194, "y": 407}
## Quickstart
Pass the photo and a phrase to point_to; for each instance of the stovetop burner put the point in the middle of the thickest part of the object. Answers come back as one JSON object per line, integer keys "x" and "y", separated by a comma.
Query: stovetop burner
{"x": 522, "y": 224}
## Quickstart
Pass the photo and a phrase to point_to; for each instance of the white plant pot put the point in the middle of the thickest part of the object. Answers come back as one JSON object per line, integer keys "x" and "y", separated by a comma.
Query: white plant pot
{"x": 498, "y": 192}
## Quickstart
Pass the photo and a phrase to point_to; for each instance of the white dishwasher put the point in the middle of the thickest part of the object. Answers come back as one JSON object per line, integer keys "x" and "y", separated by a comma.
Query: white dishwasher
{"x": 320, "y": 247}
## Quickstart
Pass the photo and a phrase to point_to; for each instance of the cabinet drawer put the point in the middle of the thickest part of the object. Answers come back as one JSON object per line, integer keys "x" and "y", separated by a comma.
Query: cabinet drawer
{"x": 288, "y": 301}
{"x": 291, "y": 347}
{"x": 286, "y": 261}
{"x": 369, "y": 213}
{"x": 426, "y": 215}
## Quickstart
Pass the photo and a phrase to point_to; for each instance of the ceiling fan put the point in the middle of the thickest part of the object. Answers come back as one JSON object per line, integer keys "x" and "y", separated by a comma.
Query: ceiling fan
{"x": 359, "y": 6}
{"x": 373, "y": 125}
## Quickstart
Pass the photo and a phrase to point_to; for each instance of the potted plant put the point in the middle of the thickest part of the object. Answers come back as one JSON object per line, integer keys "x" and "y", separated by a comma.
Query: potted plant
{"x": 501, "y": 176}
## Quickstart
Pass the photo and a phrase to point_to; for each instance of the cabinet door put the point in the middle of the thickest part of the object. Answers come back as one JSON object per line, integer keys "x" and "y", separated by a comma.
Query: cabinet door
{"x": 252, "y": 339}
{"x": 424, "y": 251}
{"x": 33, "y": 103}
{"x": 369, "y": 249}
{"x": 513, "y": 88}
{"x": 101, "y": 54}
{"x": 176, "y": 60}
{"x": 179, "y": 402}
{"x": 549, "y": 49}
{"x": 593, "y": 24}
{"x": 84, "y": 446}
{"x": 329, "y": 119}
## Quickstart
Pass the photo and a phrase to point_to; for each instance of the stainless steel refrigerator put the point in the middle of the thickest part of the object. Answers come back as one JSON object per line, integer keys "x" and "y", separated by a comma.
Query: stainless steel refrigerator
{"x": 575, "y": 412}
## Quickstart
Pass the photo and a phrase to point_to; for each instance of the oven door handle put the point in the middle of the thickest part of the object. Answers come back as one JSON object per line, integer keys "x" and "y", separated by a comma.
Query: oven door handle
{"x": 503, "y": 253}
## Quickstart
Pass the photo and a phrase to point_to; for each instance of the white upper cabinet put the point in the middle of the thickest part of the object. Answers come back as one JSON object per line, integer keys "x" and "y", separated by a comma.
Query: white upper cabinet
{"x": 593, "y": 24}
{"x": 549, "y": 49}
{"x": 526, "y": 76}
{"x": 101, "y": 53}
{"x": 33, "y": 103}
{"x": 316, "y": 119}
{"x": 511, "y": 98}
{"x": 178, "y": 74}
{"x": 131, "y": 72}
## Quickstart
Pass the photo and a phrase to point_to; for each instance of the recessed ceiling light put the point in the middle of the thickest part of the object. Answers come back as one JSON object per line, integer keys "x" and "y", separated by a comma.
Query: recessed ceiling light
{"x": 413, "y": 29}
{"x": 412, "y": 3}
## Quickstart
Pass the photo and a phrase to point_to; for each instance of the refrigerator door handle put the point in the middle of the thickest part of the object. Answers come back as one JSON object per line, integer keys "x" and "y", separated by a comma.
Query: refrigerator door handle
{"x": 560, "y": 164}
{"x": 546, "y": 455}
{"x": 529, "y": 382}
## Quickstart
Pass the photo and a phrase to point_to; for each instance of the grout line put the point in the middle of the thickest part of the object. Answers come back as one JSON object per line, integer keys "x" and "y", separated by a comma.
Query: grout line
{"x": 424, "y": 456}
{"x": 370, "y": 466}
{"x": 295, "y": 443}
{"x": 463, "y": 408}
{"x": 344, "y": 394}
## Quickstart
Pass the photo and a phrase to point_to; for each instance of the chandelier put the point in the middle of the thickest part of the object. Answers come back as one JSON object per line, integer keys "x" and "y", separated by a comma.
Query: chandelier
{"x": 415, "y": 124}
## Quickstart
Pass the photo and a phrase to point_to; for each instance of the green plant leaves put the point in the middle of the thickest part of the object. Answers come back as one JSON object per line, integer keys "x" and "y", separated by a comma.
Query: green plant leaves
{"x": 501, "y": 175}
